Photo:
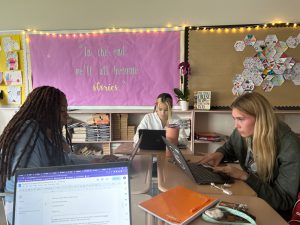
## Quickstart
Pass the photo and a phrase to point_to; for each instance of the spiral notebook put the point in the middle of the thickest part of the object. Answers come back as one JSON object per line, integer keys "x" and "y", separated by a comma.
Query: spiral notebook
{"x": 178, "y": 205}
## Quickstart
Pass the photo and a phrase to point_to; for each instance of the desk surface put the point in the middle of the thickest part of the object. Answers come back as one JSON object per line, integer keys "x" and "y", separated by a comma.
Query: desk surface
{"x": 2, "y": 214}
{"x": 125, "y": 149}
{"x": 264, "y": 213}
{"x": 170, "y": 175}
{"x": 139, "y": 216}
{"x": 141, "y": 174}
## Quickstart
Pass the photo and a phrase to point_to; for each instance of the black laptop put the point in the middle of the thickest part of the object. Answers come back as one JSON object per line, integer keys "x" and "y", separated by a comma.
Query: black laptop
{"x": 152, "y": 139}
{"x": 199, "y": 173}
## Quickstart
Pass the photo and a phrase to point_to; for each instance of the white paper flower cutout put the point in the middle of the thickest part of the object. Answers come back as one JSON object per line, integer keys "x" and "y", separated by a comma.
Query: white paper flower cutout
{"x": 239, "y": 46}
{"x": 271, "y": 40}
{"x": 259, "y": 45}
{"x": 292, "y": 42}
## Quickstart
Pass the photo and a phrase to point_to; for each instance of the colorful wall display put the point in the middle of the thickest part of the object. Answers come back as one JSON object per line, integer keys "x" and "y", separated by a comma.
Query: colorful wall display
{"x": 234, "y": 59}
{"x": 12, "y": 69}
{"x": 109, "y": 69}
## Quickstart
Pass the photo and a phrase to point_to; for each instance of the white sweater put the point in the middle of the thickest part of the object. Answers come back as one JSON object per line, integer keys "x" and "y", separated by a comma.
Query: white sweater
{"x": 151, "y": 121}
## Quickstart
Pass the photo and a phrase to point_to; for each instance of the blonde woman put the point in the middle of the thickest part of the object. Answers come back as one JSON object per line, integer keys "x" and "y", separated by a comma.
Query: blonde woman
{"x": 160, "y": 118}
{"x": 267, "y": 150}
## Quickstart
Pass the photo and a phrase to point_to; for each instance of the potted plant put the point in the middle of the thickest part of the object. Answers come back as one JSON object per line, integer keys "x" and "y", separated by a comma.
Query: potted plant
{"x": 183, "y": 92}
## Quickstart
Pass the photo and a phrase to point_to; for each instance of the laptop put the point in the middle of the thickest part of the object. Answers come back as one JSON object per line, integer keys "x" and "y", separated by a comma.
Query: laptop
{"x": 130, "y": 157}
{"x": 71, "y": 195}
{"x": 198, "y": 173}
{"x": 152, "y": 139}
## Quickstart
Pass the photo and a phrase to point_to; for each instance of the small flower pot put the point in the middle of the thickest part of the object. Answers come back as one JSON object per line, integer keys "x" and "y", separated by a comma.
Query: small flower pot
{"x": 184, "y": 105}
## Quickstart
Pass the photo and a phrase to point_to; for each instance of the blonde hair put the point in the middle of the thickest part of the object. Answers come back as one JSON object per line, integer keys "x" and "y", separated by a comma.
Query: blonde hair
{"x": 265, "y": 131}
{"x": 167, "y": 99}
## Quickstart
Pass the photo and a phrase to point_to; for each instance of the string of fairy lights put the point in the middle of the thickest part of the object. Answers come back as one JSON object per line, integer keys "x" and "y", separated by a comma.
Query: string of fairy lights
{"x": 243, "y": 28}
{"x": 217, "y": 29}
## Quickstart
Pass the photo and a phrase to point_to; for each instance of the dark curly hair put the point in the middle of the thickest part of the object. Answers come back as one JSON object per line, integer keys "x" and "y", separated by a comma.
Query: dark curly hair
{"x": 41, "y": 112}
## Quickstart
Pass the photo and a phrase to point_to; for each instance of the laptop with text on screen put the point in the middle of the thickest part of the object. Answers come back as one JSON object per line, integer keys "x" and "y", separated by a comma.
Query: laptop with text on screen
{"x": 199, "y": 173}
{"x": 73, "y": 195}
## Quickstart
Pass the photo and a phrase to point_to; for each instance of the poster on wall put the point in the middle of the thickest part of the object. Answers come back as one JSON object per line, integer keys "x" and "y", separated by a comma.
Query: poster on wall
{"x": 110, "y": 69}
{"x": 13, "y": 69}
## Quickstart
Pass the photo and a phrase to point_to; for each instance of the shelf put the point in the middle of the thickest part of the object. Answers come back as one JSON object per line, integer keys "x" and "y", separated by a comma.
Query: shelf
{"x": 91, "y": 142}
{"x": 211, "y": 121}
{"x": 208, "y": 142}
{"x": 122, "y": 141}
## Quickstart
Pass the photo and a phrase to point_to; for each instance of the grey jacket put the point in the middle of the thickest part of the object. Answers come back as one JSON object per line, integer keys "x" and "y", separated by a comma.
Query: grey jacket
{"x": 281, "y": 192}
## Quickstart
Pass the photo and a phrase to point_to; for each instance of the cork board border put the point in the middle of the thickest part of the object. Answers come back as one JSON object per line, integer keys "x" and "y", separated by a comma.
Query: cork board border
{"x": 214, "y": 63}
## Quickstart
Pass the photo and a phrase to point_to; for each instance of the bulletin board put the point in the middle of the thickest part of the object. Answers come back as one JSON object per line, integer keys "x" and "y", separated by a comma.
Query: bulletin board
{"x": 113, "y": 69}
{"x": 215, "y": 62}
{"x": 13, "y": 78}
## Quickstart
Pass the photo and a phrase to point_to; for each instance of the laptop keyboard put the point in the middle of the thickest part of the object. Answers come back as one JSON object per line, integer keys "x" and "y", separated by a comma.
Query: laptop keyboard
{"x": 204, "y": 175}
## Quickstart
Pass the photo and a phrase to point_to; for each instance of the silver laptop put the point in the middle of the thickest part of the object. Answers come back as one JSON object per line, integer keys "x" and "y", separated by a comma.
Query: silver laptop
{"x": 73, "y": 195}
{"x": 198, "y": 173}
{"x": 131, "y": 156}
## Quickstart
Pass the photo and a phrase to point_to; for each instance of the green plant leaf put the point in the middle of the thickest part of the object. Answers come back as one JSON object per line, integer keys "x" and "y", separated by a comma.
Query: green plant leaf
{"x": 182, "y": 95}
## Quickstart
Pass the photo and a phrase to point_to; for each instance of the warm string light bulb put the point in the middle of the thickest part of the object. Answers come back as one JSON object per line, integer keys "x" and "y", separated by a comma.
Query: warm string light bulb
{"x": 169, "y": 27}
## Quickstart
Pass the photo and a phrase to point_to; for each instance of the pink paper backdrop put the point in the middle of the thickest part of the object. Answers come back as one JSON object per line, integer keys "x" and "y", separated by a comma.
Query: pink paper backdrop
{"x": 115, "y": 69}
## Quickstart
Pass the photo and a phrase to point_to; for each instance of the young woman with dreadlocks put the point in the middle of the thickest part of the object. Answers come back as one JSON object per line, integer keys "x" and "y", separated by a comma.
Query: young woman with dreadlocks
{"x": 33, "y": 137}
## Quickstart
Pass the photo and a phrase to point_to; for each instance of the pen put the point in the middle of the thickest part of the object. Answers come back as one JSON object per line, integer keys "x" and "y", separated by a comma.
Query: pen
{"x": 226, "y": 191}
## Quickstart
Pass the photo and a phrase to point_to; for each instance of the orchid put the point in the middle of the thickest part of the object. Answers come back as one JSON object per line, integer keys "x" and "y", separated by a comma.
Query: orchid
{"x": 184, "y": 68}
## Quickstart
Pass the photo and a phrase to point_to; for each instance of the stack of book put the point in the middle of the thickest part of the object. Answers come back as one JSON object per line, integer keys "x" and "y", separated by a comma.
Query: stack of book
{"x": 92, "y": 133}
{"x": 209, "y": 137}
{"x": 130, "y": 132}
{"x": 87, "y": 149}
{"x": 96, "y": 129}
{"x": 106, "y": 149}
{"x": 116, "y": 126}
{"x": 124, "y": 125}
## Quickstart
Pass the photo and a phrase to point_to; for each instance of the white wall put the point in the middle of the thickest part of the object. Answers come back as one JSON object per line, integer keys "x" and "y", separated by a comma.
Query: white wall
{"x": 93, "y": 14}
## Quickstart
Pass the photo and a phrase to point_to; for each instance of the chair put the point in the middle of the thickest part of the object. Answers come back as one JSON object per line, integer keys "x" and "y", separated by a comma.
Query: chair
{"x": 295, "y": 219}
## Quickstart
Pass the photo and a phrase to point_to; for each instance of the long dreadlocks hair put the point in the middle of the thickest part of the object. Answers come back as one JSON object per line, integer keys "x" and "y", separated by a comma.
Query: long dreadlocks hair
{"x": 41, "y": 112}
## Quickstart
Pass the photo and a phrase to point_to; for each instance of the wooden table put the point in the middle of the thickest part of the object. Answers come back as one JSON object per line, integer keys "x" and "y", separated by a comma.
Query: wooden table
{"x": 2, "y": 214}
{"x": 141, "y": 174}
{"x": 170, "y": 175}
{"x": 125, "y": 149}
{"x": 139, "y": 216}
{"x": 265, "y": 214}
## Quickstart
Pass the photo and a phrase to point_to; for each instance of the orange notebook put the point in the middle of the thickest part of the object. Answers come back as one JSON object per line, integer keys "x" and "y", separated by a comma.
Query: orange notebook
{"x": 178, "y": 205}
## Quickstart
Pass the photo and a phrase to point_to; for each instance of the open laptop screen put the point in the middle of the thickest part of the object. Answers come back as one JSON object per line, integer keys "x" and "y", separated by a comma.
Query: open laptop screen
{"x": 152, "y": 139}
{"x": 73, "y": 195}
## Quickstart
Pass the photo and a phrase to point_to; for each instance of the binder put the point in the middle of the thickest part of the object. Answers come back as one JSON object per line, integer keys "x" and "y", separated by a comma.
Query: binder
{"x": 178, "y": 206}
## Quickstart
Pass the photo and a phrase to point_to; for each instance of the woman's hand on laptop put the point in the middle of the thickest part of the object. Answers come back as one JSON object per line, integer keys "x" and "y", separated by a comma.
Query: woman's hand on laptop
{"x": 232, "y": 171}
{"x": 212, "y": 159}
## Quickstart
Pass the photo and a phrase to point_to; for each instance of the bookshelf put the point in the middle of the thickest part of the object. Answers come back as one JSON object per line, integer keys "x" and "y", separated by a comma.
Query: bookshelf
{"x": 216, "y": 121}
{"x": 221, "y": 122}
{"x": 122, "y": 125}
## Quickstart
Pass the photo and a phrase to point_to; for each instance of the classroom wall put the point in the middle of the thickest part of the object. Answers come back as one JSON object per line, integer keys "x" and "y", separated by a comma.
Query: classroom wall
{"x": 93, "y": 14}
